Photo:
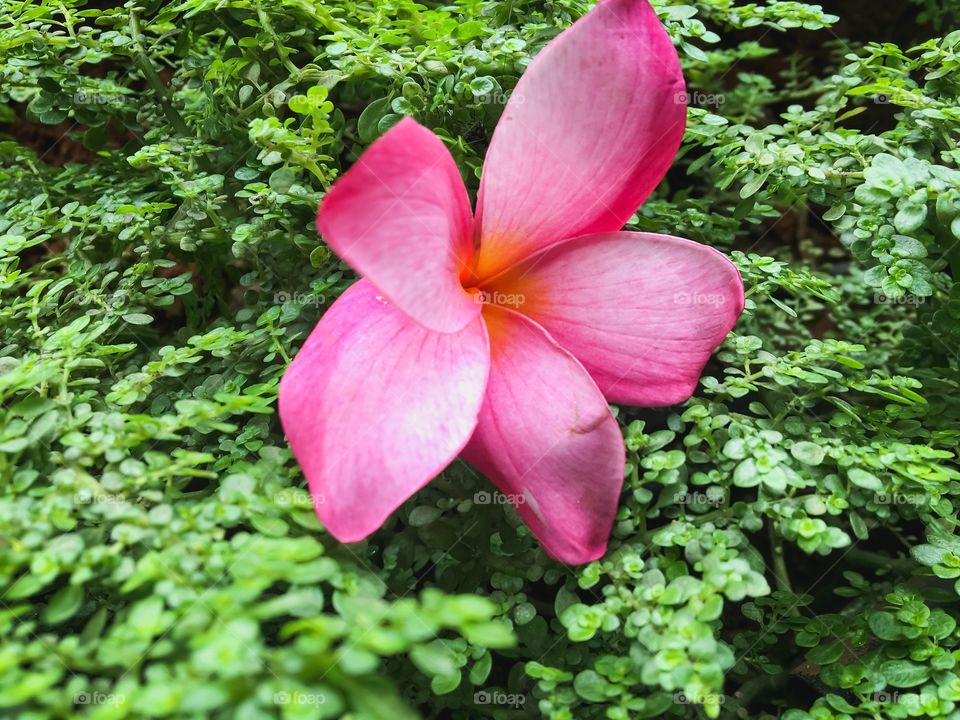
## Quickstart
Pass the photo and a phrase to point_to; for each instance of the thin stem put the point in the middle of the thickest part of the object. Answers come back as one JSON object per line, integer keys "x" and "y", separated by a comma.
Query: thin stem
{"x": 780, "y": 573}
{"x": 879, "y": 561}
{"x": 278, "y": 43}
{"x": 153, "y": 79}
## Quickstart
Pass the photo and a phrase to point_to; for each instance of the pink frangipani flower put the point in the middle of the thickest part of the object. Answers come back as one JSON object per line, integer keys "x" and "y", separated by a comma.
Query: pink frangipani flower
{"x": 501, "y": 337}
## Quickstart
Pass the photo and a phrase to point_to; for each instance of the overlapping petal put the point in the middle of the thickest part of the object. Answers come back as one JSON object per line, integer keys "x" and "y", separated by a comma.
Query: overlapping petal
{"x": 401, "y": 217}
{"x": 374, "y": 406}
{"x": 589, "y": 131}
{"x": 547, "y": 439}
{"x": 642, "y": 312}
{"x": 384, "y": 394}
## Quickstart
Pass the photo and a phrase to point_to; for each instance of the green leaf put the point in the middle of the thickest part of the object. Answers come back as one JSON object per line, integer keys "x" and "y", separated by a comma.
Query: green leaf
{"x": 835, "y": 213}
{"x": 808, "y": 453}
{"x": 591, "y": 687}
{"x": 369, "y": 120}
{"x": 483, "y": 85}
{"x": 928, "y": 554}
{"x": 282, "y": 179}
{"x": 424, "y": 515}
{"x": 434, "y": 659}
{"x": 493, "y": 634}
{"x": 481, "y": 669}
{"x": 377, "y": 699}
{"x": 904, "y": 673}
{"x": 63, "y": 605}
{"x": 443, "y": 684}
{"x": 910, "y": 216}
{"x": 866, "y": 480}
{"x": 825, "y": 654}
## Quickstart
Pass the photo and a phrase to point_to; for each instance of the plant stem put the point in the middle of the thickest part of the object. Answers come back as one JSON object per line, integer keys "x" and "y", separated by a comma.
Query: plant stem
{"x": 152, "y": 78}
{"x": 763, "y": 683}
{"x": 780, "y": 573}
{"x": 879, "y": 561}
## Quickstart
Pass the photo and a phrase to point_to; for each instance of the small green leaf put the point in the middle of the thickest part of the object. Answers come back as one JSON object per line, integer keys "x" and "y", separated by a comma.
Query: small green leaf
{"x": 864, "y": 479}
{"x": 138, "y": 318}
{"x": 434, "y": 659}
{"x": 63, "y": 605}
{"x": 904, "y": 673}
{"x": 809, "y": 453}
{"x": 591, "y": 687}
{"x": 367, "y": 123}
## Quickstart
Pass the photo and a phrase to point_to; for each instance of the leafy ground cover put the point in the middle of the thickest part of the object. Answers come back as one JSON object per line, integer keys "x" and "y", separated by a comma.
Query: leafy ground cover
{"x": 786, "y": 545}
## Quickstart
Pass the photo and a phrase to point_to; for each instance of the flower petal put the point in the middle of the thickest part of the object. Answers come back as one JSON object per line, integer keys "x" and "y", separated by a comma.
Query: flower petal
{"x": 374, "y": 406}
{"x": 547, "y": 439}
{"x": 401, "y": 217}
{"x": 642, "y": 312}
{"x": 587, "y": 134}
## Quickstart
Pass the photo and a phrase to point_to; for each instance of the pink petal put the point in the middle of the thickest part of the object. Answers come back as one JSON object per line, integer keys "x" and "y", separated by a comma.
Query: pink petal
{"x": 401, "y": 217}
{"x": 547, "y": 439}
{"x": 587, "y": 134}
{"x": 642, "y": 312}
{"x": 374, "y": 406}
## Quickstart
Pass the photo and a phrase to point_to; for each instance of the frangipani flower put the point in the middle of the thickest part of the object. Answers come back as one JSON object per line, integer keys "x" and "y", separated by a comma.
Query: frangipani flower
{"x": 501, "y": 337}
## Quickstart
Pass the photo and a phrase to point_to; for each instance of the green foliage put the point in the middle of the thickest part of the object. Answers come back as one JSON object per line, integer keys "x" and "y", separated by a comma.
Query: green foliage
{"x": 786, "y": 544}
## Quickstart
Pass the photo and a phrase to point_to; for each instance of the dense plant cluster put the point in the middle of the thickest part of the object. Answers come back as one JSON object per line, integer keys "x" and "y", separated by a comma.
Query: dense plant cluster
{"x": 786, "y": 544}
